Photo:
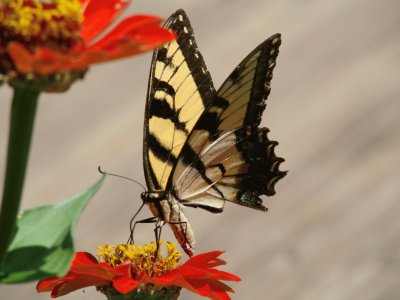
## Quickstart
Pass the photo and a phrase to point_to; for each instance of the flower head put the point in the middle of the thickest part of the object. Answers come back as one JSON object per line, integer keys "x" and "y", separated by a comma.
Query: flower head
{"x": 137, "y": 270}
{"x": 55, "y": 24}
{"x": 47, "y": 42}
{"x": 145, "y": 259}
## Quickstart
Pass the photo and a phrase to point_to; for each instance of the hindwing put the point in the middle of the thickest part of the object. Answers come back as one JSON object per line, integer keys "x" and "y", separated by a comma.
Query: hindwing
{"x": 227, "y": 157}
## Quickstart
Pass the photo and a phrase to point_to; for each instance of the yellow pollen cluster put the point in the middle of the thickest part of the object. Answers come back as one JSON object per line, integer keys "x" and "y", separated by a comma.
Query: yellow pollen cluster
{"x": 41, "y": 20}
{"x": 142, "y": 258}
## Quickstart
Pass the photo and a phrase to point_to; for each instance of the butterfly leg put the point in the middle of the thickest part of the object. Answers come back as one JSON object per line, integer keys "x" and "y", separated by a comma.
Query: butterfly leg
{"x": 157, "y": 233}
{"x": 144, "y": 221}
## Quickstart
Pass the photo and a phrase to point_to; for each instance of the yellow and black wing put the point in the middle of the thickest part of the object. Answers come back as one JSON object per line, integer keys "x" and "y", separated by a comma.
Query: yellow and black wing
{"x": 180, "y": 89}
{"x": 202, "y": 147}
{"x": 227, "y": 156}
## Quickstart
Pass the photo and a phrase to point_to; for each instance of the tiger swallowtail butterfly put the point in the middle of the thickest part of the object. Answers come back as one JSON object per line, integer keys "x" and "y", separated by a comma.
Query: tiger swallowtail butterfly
{"x": 204, "y": 147}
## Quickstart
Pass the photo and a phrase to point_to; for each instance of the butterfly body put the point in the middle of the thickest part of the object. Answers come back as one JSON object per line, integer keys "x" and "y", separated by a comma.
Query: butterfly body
{"x": 204, "y": 147}
{"x": 167, "y": 209}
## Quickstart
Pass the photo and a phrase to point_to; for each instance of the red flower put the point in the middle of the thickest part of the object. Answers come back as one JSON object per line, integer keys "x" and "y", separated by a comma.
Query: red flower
{"x": 198, "y": 275}
{"x": 71, "y": 42}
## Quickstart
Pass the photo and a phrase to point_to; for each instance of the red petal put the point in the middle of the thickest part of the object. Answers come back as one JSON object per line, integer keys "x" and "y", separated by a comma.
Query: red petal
{"x": 81, "y": 258}
{"x": 215, "y": 263}
{"x": 47, "y": 61}
{"x": 221, "y": 275}
{"x": 22, "y": 57}
{"x": 177, "y": 281}
{"x": 49, "y": 284}
{"x": 101, "y": 270}
{"x": 84, "y": 258}
{"x": 125, "y": 284}
{"x": 126, "y": 26}
{"x": 150, "y": 36}
{"x": 85, "y": 271}
{"x": 190, "y": 272}
{"x": 99, "y": 14}
{"x": 140, "y": 42}
{"x": 44, "y": 62}
{"x": 133, "y": 36}
{"x": 212, "y": 289}
{"x": 123, "y": 270}
{"x": 220, "y": 286}
{"x": 204, "y": 259}
{"x": 76, "y": 283}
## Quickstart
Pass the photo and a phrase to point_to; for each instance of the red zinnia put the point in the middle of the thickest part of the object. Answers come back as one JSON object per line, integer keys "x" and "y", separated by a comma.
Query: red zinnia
{"x": 123, "y": 275}
{"x": 63, "y": 35}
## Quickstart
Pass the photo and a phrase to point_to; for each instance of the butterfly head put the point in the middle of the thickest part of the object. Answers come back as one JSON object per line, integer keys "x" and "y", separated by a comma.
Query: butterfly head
{"x": 153, "y": 196}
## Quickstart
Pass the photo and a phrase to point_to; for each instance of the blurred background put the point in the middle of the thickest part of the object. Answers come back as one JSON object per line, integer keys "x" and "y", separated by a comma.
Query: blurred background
{"x": 333, "y": 228}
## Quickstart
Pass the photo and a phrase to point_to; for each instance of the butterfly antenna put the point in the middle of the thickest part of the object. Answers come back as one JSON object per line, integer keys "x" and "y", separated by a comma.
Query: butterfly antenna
{"x": 120, "y": 176}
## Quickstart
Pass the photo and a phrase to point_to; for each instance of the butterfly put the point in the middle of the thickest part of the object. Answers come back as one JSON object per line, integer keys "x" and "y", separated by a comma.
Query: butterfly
{"x": 203, "y": 147}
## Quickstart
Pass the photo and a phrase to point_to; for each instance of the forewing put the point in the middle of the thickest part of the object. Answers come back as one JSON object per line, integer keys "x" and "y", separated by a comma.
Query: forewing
{"x": 227, "y": 157}
{"x": 247, "y": 88}
{"x": 180, "y": 88}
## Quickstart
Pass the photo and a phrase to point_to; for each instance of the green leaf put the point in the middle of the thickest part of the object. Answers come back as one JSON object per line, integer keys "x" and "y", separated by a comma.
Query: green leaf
{"x": 43, "y": 244}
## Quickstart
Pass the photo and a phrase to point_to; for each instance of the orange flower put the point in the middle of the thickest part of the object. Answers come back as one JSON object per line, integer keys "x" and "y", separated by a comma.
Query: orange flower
{"x": 128, "y": 268}
{"x": 58, "y": 36}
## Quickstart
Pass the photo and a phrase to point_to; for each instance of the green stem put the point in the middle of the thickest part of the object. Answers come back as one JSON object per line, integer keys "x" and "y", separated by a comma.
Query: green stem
{"x": 21, "y": 126}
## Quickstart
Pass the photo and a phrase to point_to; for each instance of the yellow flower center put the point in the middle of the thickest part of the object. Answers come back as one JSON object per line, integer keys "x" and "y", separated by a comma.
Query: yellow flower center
{"x": 142, "y": 258}
{"x": 52, "y": 23}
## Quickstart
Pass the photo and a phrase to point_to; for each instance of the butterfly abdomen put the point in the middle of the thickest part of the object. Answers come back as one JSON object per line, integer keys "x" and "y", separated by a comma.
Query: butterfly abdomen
{"x": 167, "y": 209}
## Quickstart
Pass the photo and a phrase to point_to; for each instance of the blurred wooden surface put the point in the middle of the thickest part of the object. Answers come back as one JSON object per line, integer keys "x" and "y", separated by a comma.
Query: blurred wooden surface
{"x": 333, "y": 229}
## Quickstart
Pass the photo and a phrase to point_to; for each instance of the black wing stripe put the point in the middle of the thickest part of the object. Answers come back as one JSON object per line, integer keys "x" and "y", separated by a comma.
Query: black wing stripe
{"x": 162, "y": 55}
{"x": 240, "y": 96}
{"x": 196, "y": 162}
{"x": 190, "y": 157}
{"x": 162, "y": 109}
{"x": 160, "y": 151}
{"x": 236, "y": 79}
{"x": 164, "y": 86}
{"x": 233, "y": 112}
{"x": 237, "y": 87}
{"x": 170, "y": 64}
